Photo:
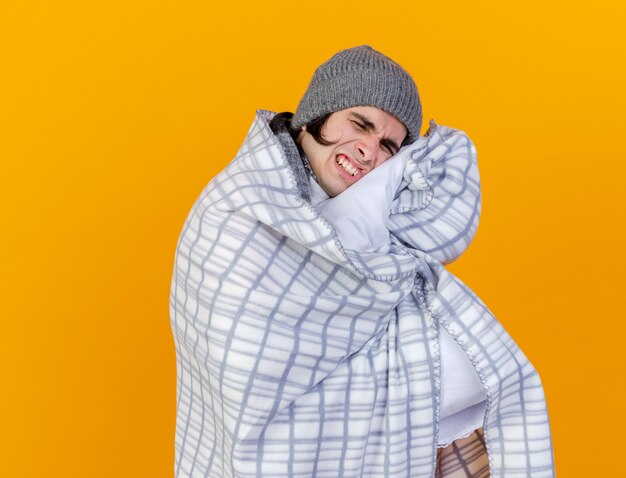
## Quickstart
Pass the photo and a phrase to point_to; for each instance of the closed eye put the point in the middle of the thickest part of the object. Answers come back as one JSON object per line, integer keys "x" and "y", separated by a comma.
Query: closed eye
{"x": 388, "y": 148}
{"x": 389, "y": 145}
{"x": 359, "y": 125}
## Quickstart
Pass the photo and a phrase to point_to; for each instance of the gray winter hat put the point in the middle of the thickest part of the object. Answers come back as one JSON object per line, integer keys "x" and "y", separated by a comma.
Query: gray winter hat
{"x": 361, "y": 76}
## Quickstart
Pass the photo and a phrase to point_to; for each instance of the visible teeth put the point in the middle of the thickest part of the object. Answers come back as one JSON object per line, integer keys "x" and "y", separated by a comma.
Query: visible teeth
{"x": 347, "y": 166}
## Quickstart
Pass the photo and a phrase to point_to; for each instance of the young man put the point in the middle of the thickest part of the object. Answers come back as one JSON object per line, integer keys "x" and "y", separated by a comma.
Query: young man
{"x": 359, "y": 109}
{"x": 303, "y": 351}
{"x": 357, "y": 140}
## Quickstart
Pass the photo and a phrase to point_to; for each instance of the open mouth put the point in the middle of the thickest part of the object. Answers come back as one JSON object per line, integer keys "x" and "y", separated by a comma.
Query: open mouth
{"x": 345, "y": 165}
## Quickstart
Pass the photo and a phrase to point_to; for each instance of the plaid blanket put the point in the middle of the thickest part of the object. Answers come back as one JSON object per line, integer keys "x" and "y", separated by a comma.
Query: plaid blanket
{"x": 297, "y": 356}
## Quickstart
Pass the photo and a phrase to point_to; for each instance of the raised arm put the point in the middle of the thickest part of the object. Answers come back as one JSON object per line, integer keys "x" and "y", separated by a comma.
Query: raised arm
{"x": 438, "y": 206}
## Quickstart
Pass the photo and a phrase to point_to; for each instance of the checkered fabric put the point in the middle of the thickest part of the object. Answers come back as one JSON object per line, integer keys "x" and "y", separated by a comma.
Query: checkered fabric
{"x": 297, "y": 357}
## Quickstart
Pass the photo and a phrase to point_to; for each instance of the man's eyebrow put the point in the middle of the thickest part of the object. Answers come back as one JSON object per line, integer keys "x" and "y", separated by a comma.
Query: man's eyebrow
{"x": 371, "y": 127}
{"x": 366, "y": 122}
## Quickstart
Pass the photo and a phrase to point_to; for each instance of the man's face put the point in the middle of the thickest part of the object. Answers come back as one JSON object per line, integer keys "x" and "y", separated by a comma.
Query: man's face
{"x": 363, "y": 138}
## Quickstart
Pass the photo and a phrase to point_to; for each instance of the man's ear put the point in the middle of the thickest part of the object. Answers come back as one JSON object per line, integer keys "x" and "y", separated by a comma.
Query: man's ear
{"x": 300, "y": 135}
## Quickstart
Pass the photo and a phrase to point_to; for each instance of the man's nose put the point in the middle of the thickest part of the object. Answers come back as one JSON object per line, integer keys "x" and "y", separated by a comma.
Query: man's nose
{"x": 367, "y": 149}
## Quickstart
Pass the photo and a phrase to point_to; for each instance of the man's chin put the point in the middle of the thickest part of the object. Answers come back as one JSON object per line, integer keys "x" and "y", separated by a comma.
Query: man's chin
{"x": 337, "y": 190}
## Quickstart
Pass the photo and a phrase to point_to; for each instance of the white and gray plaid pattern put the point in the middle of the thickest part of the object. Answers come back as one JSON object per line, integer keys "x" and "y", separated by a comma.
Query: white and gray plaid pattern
{"x": 296, "y": 357}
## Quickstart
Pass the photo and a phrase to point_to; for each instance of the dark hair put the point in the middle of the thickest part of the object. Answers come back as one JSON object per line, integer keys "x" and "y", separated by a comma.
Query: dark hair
{"x": 314, "y": 128}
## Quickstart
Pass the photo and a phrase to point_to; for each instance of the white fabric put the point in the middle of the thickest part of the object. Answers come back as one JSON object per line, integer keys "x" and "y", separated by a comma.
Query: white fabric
{"x": 360, "y": 215}
{"x": 297, "y": 356}
{"x": 463, "y": 399}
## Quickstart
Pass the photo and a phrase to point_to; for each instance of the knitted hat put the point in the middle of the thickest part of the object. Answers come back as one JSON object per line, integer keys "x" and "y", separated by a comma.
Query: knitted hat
{"x": 361, "y": 76}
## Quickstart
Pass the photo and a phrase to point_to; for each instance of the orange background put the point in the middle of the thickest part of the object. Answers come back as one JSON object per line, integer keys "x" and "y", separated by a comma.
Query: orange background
{"x": 114, "y": 115}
